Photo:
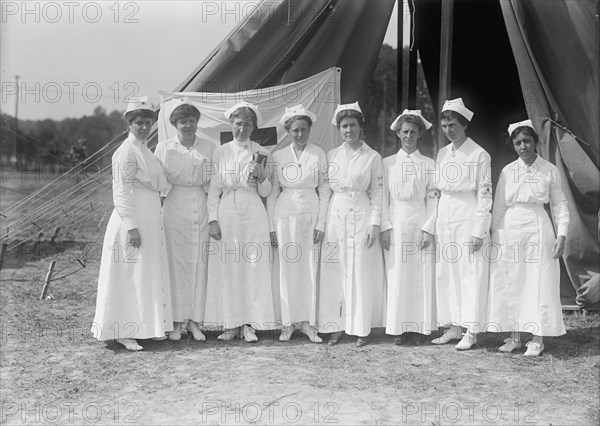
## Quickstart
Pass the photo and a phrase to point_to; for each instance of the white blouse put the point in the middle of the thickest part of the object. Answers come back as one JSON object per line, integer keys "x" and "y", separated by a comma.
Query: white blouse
{"x": 409, "y": 177}
{"x": 134, "y": 166}
{"x": 361, "y": 171}
{"x": 230, "y": 173}
{"x": 468, "y": 169}
{"x": 187, "y": 166}
{"x": 309, "y": 171}
{"x": 538, "y": 183}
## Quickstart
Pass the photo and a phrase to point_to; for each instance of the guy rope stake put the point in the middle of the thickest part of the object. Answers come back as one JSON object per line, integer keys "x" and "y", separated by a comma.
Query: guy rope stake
{"x": 48, "y": 279}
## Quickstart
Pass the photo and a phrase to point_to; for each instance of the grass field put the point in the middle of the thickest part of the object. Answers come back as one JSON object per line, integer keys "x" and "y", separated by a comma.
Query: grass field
{"x": 54, "y": 372}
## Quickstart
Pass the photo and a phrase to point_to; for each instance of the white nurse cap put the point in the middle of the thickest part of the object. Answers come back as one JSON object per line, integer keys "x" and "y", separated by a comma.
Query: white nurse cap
{"x": 457, "y": 105}
{"x": 343, "y": 107}
{"x": 247, "y": 105}
{"x": 416, "y": 112}
{"x": 296, "y": 111}
{"x": 524, "y": 123}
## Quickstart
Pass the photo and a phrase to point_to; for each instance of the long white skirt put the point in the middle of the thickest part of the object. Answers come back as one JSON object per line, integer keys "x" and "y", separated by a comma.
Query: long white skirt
{"x": 461, "y": 277}
{"x": 186, "y": 228}
{"x": 239, "y": 265}
{"x": 134, "y": 293}
{"x": 410, "y": 272}
{"x": 296, "y": 213}
{"x": 352, "y": 285}
{"x": 525, "y": 277}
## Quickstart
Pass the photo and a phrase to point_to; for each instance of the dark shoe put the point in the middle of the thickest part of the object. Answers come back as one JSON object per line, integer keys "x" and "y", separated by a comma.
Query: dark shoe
{"x": 362, "y": 341}
{"x": 399, "y": 341}
{"x": 335, "y": 338}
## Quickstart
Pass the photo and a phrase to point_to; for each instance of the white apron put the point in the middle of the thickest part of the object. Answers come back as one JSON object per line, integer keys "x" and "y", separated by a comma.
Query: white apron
{"x": 464, "y": 179}
{"x": 134, "y": 297}
{"x": 411, "y": 203}
{"x": 296, "y": 212}
{"x": 352, "y": 285}
{"x": 186, "y": 224}
{"x": 462, "y": 277}
{"x": 525, "y": 277}
{"x": 239, "y": 265}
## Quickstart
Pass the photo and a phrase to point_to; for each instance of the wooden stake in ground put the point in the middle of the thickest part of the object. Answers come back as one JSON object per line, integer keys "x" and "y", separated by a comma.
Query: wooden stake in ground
{"x": 48, "y": 279}
{"x": 2, "y": 254}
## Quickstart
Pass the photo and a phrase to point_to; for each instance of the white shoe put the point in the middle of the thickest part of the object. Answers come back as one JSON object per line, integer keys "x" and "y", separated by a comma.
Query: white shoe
{"x": 286, "y": 333}
{"x": 130, "y": 344}
{"x": 453, "y": 333}
{"x": 310, "y": 332}
{"x": 229, "y": 334}
{"x": 176, "y": 333}
{"x": 468, "y": 340}
{"x": 534, "y": 348}
{"x": 249, "y": 334}
{"x": 159, "y": 339}
{"x": 510, "y": 345}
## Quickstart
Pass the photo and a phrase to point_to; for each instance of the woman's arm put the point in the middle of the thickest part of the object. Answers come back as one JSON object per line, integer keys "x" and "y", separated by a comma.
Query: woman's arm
{"x": 375, "y": 191}
{"x": 560, "y": 212}
{"x": 124, "y": 169}
{"x": 324, "y": 191}
{"x": 216, "y": 188}
{"x": 500, "y": 205}
{"x": 482, "y": 216}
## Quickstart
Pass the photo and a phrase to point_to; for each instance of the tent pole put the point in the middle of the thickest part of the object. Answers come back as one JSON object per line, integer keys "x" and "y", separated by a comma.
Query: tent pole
{"x": 412, "y": 62}
{"x": 447, "y": 19}
{"x": 401, "y": 93}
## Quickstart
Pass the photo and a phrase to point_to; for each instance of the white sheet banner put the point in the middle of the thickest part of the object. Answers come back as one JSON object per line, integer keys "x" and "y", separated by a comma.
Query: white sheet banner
{"x": 319, "y": 94}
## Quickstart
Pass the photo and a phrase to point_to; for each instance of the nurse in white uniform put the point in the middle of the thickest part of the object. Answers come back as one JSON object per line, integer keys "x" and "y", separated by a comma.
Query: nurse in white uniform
{"x": 134, "y": 293}
{"x": 408, "y": 224}
{"x": 352, "y": 286}
{"x": 525, "y": 270}
{"x": 239, "y": 296}
{"x": 186, "y": 159}
{"x": 297, "y": 209}
{"x": 463, "y": 176}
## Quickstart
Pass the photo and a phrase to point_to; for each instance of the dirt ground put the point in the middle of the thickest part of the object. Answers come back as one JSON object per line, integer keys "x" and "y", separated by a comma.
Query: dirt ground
{"x": 53, "y": 371}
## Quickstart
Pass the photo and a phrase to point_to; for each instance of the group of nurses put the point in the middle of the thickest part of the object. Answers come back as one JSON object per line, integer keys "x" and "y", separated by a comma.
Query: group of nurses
{"x": 508, "y": 281}
{"x": 433, "y": 220}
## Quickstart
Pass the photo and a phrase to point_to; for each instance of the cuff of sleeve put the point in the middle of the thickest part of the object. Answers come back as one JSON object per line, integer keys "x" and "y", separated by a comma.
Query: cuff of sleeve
{"x": 480, "y": 231}
{"x": 130, "y": 224}
{"x": 429, "y": 228}
{"x": 375, "y": 219}
{"x": 385, "y": 225}
{"x": 212, "y": 217}
{"x": 320, "y": 226}
{"x": 562, "y": 231}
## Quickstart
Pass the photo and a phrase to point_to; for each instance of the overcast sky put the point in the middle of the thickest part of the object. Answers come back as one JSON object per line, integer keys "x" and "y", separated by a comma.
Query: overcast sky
{"x": 73, "y": 56}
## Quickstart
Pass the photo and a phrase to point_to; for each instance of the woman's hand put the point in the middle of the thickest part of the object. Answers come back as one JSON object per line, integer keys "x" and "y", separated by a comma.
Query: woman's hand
{"x": 317, "y": 236}
{"x": 426, "y": 240}
{"x": 559, "y": 247}
{"x": 274, "y": 242}
{"x": 257, "y": 170}
{"x": 386, "y": 239}
{"x": 475, "y": 245}
{"x": 134, "y": 237}
{"x": 214, "y": 230}
{"x": 372, "y": 235}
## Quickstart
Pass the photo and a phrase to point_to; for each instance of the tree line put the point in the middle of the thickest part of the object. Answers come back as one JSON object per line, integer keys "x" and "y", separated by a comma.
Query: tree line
{"x": 71, "y": 140}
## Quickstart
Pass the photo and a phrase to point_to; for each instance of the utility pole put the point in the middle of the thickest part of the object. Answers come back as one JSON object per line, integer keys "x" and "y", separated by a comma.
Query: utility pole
{"x": 14, "y": 150}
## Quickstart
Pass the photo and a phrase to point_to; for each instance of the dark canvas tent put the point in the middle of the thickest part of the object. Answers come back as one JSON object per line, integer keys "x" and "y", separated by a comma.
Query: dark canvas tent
{"x": 516, "y": 58}
{"x": 509, "y": 59}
